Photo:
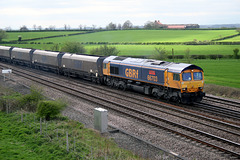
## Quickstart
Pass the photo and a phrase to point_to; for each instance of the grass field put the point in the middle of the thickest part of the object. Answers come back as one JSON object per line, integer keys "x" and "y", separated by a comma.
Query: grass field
{"x": 234, "y": 39}
{"x": 28, "y": 35}
{"x": 147, "y": 50}
{"x": 146, "y": 36}
{"x": 223, "y": 72}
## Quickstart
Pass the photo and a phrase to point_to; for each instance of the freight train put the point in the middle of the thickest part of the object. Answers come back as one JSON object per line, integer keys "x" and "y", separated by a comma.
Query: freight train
{"x": 178, "y": 82}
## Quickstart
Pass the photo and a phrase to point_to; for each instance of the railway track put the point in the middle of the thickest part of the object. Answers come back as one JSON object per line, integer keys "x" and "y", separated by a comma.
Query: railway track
{"x": 222, "y": 101}
{"x": 218, "y": 110}
{"x": 141, "y": 115}
{"x": 139, "y": 100}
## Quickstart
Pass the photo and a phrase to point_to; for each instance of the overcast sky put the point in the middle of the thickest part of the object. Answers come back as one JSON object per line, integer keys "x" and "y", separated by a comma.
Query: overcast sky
{"x": 16, "y": 13}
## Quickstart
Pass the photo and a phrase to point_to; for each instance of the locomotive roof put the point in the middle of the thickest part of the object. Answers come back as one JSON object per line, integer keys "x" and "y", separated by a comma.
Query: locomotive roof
{"x": 155, "y": 64}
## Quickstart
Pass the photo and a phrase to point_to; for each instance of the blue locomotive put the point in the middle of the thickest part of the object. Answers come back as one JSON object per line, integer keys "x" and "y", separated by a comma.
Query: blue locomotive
{"x": 172, "y": 81}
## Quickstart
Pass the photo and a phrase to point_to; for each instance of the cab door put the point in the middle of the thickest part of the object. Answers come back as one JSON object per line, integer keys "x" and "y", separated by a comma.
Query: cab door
{"x": 106, "y": 68}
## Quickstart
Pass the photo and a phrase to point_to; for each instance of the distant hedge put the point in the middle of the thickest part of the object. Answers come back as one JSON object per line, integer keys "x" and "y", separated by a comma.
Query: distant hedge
{"x": 211, "y": 56}
{"x": 126, "y": 43}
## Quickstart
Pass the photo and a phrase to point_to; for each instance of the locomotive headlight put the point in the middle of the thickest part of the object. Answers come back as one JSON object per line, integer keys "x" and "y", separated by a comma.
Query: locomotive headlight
{"x": 184, "y": 89}
{"x": 200, "y": 88}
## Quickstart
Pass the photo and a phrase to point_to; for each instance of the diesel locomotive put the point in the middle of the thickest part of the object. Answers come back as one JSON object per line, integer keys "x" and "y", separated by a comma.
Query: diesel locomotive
{"x": 178, "y": 82}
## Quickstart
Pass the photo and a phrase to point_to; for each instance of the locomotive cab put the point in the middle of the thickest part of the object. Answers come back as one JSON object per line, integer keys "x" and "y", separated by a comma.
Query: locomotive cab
{"x": 192, "y": 82}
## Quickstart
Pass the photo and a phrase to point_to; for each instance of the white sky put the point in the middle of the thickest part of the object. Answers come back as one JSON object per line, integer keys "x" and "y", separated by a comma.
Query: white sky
{"x": 16, "y": 13}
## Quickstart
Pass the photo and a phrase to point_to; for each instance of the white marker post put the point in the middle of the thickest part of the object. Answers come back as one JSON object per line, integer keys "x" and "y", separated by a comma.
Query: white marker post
{"x": 6, "y": 71}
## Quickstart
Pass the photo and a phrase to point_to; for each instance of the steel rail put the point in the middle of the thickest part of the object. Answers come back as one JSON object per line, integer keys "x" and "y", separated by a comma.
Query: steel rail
{"x": 218, "y": 110}
{"x": 236, "y": 104}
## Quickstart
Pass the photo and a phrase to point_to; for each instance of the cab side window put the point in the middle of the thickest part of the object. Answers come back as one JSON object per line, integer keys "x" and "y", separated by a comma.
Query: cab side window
{"x": 104, "y": 65}
{"x": 176, "y": 77}
{"x": 114, "y": 70}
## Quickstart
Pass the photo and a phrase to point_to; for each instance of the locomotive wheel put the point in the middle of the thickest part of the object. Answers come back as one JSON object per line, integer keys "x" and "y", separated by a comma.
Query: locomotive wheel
{"x": 155, "y": 94}
{"x": 122, "y": 85}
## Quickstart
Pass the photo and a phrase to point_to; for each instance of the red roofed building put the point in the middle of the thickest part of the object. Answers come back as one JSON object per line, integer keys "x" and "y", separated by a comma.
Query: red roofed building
{"x": 158, "y": 22}
{"x": 176, "y": 26}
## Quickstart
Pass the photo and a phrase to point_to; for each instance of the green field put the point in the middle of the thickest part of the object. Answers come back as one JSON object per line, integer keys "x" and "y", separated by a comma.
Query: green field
{"x": 223, "y": 72}
{"x": 147, "y": 50}
{"x": 136, "y": 36}
{"x": 28, "y": 35}
{"x": 146, "y": 36}
{"x": 234, "y": 39}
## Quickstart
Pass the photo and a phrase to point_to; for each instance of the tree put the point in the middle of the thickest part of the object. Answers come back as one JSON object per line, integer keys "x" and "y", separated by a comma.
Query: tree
{"x": 119, "y": 26}
{"x": 73, "y": 47}
{"x": 3, "y": 34}
{"x": 52, "y": 27}
{"x": 160, "y": 53}
{"x": 94, "y": 27}
{"x": 39, "y": 28}
{"x": 23, "y": 28}
{"x": 111, "y": 26}
{"x": 80, "y": 27}
{"x": 153, "y": 25}
{"x": 127, "y": 25}
{"x": 104, "y": 51}
{"x": 35, "y": 27}
{"x": 67, "y": 27}
{"x": 235, "y": 53}
{"x": 148, "y": 25}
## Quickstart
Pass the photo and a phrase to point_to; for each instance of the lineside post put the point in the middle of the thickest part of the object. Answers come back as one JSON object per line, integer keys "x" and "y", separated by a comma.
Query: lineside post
{"x": 100, "y": 119}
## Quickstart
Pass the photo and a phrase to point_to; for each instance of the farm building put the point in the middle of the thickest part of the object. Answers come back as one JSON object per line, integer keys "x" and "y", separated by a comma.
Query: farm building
{"x": 176, "y": 26}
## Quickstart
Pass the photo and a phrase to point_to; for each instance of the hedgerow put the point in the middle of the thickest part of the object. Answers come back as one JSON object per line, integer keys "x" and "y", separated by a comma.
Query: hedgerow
{"x": 49, "y": 109}
{"x": 29, "y": 101}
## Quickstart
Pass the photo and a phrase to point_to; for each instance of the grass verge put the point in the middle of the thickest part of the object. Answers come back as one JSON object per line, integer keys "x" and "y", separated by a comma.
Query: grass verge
{"x": 23, "y": 138}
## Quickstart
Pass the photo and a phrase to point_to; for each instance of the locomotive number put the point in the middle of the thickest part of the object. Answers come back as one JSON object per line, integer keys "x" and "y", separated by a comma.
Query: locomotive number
{"x": 152, "y": 78}
{"x": 131, "y": 73}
